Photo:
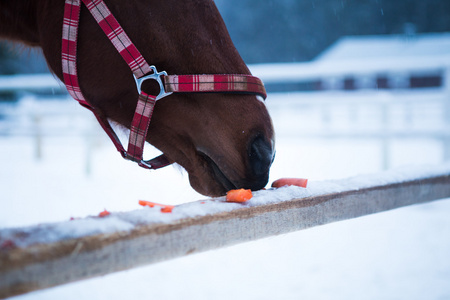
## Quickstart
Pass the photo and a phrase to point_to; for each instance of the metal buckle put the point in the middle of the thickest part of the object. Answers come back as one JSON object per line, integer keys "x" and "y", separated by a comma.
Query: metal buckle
{"x": 155, "y": 76}
{"x": 141, "y": 162}
{"x": 146, "y": 164}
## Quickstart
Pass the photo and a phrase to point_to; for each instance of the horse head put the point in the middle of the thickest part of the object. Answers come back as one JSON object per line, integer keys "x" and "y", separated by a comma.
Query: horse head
{"x": 224, "y": 141}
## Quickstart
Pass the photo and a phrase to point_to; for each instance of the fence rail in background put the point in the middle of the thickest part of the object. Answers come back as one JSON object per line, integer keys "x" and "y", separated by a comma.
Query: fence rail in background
{"x": 30, "y": 82}
{"x": 47, "y": 255}
{"x": 383, "y": 116}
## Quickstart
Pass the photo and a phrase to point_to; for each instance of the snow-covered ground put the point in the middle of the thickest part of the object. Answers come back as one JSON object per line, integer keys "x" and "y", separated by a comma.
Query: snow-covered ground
{"x": 401, "y": 254}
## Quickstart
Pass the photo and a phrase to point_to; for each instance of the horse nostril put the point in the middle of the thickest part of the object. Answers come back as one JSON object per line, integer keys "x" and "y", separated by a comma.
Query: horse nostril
{"x": 260, "y": 156}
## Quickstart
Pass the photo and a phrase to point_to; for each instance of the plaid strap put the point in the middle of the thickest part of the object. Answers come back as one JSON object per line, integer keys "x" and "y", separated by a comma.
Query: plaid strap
{"x": 140, "y": 124}
{"x": 138, "y": 133}
{"x": 223, "y": 83}
{"x": 69, "y": 50}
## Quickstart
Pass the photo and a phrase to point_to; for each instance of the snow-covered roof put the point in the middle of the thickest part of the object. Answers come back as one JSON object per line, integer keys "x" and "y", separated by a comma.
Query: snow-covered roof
{"x": 388, "y": 46}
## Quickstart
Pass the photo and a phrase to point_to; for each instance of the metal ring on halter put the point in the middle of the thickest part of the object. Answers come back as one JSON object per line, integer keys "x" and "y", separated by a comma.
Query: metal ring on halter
{"x": 155, "y": 76}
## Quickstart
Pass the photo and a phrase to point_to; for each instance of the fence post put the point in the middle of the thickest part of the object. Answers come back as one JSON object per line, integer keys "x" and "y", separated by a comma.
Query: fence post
{"x": 36, "y": 117}
{"x": 386, "y": 136}
{"x": 37, "y": 120}
{"x": 446, "y": 137}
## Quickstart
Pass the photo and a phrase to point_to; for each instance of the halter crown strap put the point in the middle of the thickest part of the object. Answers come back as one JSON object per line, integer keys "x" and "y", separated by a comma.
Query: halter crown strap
{"x": 168, "y": 83}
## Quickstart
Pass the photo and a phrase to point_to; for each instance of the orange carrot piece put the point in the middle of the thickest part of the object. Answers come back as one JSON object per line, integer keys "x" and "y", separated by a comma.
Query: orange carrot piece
{"x": 104, "y": 213}
{"x": 167, "y": 209}
{"x": 164, "y": 208}
{"x": 240, "y": 195}
{"x": 146, "y": 203}
{"x": 301, "y": 182}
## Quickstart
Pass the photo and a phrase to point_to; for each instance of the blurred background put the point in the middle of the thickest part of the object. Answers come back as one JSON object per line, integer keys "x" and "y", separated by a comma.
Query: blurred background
{"x": 354, "y": 87}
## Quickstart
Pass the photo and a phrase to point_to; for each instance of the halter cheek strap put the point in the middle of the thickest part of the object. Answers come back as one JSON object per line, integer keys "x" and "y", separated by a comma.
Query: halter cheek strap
{"x": 142, "y": 71}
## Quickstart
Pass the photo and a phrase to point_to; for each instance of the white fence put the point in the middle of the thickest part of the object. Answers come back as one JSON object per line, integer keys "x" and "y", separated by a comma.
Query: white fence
{"x": 346, "y": 100}
{"x": 31, "y": 83}
{"x": 395, "y": 111}
{"x": 41, "y": 119}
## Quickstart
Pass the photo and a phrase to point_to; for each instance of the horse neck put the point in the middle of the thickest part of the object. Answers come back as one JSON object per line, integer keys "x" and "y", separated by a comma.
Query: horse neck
{"x": 18, "y": 21}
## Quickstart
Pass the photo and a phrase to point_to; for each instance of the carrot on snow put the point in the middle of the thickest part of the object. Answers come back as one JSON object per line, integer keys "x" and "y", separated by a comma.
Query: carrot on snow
{"x": 301, "y": 182}
{"x": 240, "y": 195}
{"x": 164, "y": 208}
{"x": 167, "y": 209}
{"x": 104, "y": 213}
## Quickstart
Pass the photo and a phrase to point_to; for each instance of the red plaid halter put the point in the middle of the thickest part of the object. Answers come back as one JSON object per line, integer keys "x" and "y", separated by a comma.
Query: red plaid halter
{"x": 168, "y": 83}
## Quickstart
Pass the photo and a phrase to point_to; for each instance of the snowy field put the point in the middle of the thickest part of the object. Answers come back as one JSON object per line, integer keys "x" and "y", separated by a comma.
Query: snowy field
{"x": 401, "y": 254}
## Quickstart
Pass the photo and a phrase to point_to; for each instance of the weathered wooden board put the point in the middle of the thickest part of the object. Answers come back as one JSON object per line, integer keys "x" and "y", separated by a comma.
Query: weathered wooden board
{"x": 47, "y": 255}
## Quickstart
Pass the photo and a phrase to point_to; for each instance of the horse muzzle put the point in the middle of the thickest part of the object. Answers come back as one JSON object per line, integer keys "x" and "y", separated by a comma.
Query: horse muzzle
{"x": 252, "y": 173}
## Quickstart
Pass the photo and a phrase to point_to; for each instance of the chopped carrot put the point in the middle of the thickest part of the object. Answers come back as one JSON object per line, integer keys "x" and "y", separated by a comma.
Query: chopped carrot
{"x": 146, "y": 203}
{"x": 240, "y": 195}
{"x": 301, "y": 182}
{"x": 164, "y": 208}
{"x": 167, "y": 209}
{"x": 104, "y": 213}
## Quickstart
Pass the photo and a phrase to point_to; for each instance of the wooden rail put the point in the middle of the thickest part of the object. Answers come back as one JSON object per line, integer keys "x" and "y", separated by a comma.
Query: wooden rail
{"x": 47, "y": 255}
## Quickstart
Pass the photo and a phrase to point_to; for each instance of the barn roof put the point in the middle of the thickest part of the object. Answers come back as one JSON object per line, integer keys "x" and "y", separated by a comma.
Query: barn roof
{"x": 388, "y": 46}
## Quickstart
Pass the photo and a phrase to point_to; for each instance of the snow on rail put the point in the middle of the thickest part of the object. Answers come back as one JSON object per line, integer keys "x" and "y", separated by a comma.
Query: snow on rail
{"x": 47, "y": 255}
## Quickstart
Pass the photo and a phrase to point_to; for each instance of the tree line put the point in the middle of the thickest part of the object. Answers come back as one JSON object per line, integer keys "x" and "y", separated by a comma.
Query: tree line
{"x": 298, "y": 30}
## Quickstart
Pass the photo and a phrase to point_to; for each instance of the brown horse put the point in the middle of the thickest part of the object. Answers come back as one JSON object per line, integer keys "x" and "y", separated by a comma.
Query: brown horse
{"x": 224, "y": 141}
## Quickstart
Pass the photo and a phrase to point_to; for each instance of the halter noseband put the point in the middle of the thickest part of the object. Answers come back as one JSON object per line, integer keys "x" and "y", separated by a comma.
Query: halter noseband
{"x": 222, "y": 83}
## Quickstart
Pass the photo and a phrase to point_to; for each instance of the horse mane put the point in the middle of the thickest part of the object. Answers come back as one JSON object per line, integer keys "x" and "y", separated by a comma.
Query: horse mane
{"x": 18, "y": 17}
